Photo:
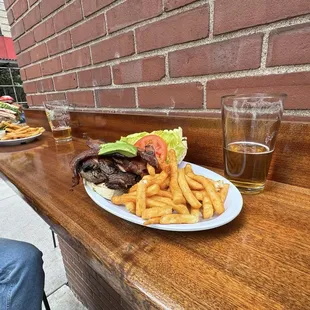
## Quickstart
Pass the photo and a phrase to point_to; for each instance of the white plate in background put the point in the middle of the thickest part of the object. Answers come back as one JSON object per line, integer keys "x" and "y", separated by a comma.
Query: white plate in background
{"x": 19, "y": 141}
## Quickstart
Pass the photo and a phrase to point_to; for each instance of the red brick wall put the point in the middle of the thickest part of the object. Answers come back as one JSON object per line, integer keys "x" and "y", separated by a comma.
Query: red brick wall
{"x": 145, "y": 55}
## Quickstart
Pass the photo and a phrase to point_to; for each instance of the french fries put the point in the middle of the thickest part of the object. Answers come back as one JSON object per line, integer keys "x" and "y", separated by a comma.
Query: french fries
{"x": 174, "y": 196}
{"x": 207, "y": 208}
{"x": 174, "y": 186}
{"x": 179, "y": 219}
{"x": 165, "y": 194}
{"x": 223, "y": 192}
{"x": 156, "y": 212}
{"x": 195, "y": 212}
{"x": 141, "y": 198}
{"x": 150, "y": 169}
{"x": 217, "y": 203}
{"x": 19, "y": 131}
{"x": 131, "y": 207}
{"x": 200, "y": 194}
{"x": 193, "y": 184}
{"x": 165, "y": 184}
{"x": 154, "y": 220}
{"x": 190, "y": 198}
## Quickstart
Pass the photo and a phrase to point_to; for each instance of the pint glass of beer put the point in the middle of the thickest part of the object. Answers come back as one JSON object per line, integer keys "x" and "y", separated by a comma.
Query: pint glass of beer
{"x": 250, "y": 127}
{"x": 58, "y": 116}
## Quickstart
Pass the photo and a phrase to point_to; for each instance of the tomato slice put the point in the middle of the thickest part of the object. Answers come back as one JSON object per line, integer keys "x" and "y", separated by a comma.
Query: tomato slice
{"x": 159, "y": 145}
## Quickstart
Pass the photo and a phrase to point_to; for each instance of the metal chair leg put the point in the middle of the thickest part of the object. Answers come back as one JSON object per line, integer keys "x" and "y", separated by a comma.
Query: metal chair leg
{"x": 54, "y": 239}
{"x": 45, "y": 301}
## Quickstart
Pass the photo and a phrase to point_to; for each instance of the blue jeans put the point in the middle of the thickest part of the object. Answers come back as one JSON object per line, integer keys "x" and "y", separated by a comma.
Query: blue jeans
{"x": 21, "y": 276}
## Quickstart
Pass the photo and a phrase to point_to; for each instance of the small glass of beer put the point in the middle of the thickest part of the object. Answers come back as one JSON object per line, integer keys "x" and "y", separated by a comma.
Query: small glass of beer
{"x": 250, "y": 127}
{"x": 58, "y": 116}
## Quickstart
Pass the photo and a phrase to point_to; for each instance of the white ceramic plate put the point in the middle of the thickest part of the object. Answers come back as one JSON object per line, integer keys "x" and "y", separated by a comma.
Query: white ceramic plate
{"x": 233, "y": 206}
{"x": 19, "y": 141}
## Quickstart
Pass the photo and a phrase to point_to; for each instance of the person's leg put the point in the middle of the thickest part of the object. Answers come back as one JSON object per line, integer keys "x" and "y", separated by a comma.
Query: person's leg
{"x": 21, "y": 276}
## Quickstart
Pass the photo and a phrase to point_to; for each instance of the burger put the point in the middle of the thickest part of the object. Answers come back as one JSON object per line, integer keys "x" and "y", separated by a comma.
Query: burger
{"x": 117, "y": 166}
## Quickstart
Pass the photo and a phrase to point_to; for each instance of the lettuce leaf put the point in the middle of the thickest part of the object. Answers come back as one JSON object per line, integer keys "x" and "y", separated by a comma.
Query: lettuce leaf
{"x": 174, "y": 139}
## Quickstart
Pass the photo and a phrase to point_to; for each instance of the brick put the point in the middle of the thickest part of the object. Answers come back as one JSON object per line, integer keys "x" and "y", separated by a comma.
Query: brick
{"x": 51, "y": 66}
{"x": 289, "y": 46}
{"x": 116, "y": 47}
{"x": 32, "y": 17}
{"x": 44, "y": 30}
{"x": 126, "y": 13}
{"x": 95, "y": 77}
{"x": 90, "y": 30}
{"x": 10, "y": 17}
{"x": 231, "y": 55}
{"x": 68, "y": 16}
{"x": 76, "y": 59}
{"x": 295, "y": 85}
{"x": 59, "y": 44}
{"x": 39, "y": 52}
{"x": 142, "y": 70}
{"x": 16, "y": 47}
{"x": 23, "y": 59}
{"x": 175, "y": 96}
{"x": 30, "y": 87}
{"x": 91, "y": 7}
{"x": 26, "y": 40}
{"x": 48, "y": 6}
{"x": 37, "y": 100}
{"x": 32, "y": 2}
{"x": 188, "y": 26}
{"x": 66, "y": 81}
{"x": 83, "y": 98}
{"x": 8, "y": 3}
{"x": 23, "y": 74}
{"x": 255, "y": 12}
{"x": 56, "y": 96}
{"x": 29, "y": 100}
{"x": 174, "y": 4}
{"x": 116, "y": 98}
{"x": 33, "y": 71}
{"x": 45, "y": 85}
{"x": 19, "y": 8}
{"x": 17, "y": 29}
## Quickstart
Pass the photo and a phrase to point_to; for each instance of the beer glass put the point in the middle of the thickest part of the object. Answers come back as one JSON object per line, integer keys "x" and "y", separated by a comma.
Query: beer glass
{"x": 58, "y": 116}
{"x": 250, "y": 126}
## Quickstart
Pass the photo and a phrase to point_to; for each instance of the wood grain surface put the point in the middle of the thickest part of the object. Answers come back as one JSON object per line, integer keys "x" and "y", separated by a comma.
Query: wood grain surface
{"x": 261, "y": 260}
{"x": 290, "y": 163}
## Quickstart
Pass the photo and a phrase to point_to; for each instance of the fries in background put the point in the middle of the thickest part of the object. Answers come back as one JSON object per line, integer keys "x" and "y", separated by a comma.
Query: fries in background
{"x": 174, "y": 196}
{"x": 19, "y": 131}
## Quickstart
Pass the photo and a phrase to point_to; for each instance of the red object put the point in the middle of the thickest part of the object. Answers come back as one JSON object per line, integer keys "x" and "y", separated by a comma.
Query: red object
{"x": 7, "y": 49}
{"x": 159, "y": 145}
{"x": 6, "y": 98}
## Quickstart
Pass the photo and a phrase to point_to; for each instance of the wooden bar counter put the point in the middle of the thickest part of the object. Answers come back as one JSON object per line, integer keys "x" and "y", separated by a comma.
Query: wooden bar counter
{"x": 261, "y": 260}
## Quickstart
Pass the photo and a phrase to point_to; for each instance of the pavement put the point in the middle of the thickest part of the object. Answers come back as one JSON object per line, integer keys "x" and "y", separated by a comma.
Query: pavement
{"x": 20, "y": 222}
